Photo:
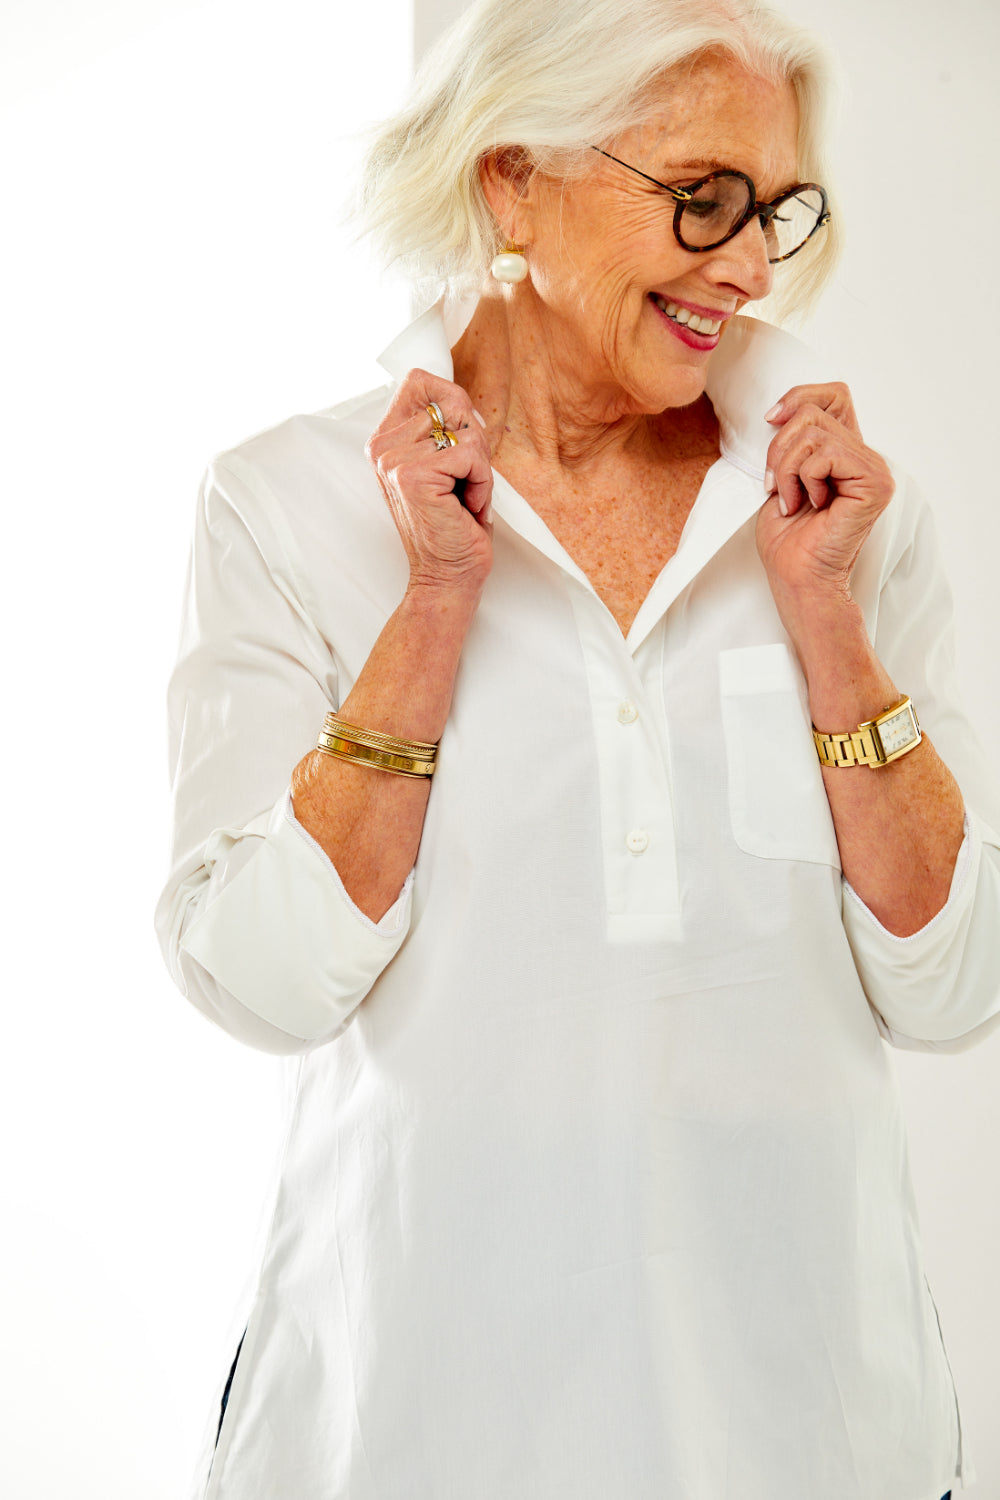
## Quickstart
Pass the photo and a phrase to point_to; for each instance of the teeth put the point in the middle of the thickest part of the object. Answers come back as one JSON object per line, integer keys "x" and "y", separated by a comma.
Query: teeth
{"x": 683, "y": 315}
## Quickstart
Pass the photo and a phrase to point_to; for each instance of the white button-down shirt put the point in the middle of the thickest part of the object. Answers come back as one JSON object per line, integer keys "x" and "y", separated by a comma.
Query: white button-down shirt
{"x": 596, "y": 1181}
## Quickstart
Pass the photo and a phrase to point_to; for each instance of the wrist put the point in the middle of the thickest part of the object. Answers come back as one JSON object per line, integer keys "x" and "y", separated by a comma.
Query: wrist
{"x": 406, "y": 685}
{"x": 437, "y": 607}
{"x": 811, "y": 613}
{"x": 847, "y": 684}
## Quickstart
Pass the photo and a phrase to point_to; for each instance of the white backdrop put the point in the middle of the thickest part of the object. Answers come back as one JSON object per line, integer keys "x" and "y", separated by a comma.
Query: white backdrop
{"x": 175, "y": 277}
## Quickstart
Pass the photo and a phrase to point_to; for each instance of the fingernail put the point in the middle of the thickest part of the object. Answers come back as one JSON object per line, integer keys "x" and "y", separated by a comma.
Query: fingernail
{"x": 769, "y": 482}
{"x": 781, "y": 504}
{"x": 488, "y": 513}
{"x": 479, "y": 419}
{"x": 770, "y": 416}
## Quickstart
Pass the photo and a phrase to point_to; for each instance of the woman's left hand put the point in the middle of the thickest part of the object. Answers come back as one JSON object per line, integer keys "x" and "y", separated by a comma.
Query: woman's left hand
{"x": 899, "y": 830}
{"x": 833, "y": 488}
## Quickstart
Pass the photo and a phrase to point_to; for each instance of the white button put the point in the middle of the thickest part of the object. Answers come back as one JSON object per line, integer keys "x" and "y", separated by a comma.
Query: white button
{"x": 627, "y": 712}
{"x": 637, "y": 840}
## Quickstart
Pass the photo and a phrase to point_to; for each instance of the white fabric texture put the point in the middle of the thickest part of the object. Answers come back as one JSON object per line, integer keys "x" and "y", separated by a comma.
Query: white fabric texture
{"x": 596, "y": 1180}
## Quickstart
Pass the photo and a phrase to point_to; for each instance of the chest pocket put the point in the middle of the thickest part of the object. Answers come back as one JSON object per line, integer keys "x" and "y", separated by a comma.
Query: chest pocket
{"x": 777, "y": 803}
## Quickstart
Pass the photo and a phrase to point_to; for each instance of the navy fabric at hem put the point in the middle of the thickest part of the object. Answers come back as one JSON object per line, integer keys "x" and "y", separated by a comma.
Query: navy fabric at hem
{"x": 229, "y": 1385}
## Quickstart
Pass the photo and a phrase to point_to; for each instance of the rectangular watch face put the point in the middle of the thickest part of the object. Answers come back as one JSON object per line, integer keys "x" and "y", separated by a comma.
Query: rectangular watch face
{"x": 898, "y": 732}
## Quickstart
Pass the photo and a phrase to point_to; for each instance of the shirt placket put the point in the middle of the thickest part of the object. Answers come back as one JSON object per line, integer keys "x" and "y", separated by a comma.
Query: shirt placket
{"x": 629, "y": 734}
{"x": 628, "y": 710}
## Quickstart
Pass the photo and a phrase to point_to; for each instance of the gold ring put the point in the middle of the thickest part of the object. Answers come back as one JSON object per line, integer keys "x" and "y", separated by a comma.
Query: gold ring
{"x": 435, "y": 413}
{"x": 443, "y": 438}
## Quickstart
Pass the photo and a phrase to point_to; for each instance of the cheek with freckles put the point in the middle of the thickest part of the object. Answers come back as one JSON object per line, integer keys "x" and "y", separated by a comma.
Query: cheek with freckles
{"x": 593, "y": 304}
{"x": 601, "y": 249}
{"x": 597, "y": 257}
{"x": 613, "y": 302}
{"x": 621, "y": 306}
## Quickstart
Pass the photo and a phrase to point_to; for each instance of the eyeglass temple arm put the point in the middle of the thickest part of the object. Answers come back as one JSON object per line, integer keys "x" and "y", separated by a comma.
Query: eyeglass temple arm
{"x": 678, "y": 194}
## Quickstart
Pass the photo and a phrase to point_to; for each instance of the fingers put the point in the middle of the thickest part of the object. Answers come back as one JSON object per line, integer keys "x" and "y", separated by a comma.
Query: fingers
{"x": 834, "y": 399}
{"x": 409, "y": 463}
{"x": 816, "y": 467}
{"x": 815, "y": 458}
{"x": 800, "y": 466}
{"x": 408, "y": 460}
{"x": 829, "y": 487}
{"x": 432, "y": 461}
{"x": 815, "y": 477}
{"x": 418, "y": 392}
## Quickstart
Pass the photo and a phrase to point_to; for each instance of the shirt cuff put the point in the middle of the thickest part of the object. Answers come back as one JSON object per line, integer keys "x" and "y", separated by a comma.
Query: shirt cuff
{"x": 396, "y": 919}
{"x": 960, "y": 874}
{"x": 284, "y": 938}
{"x": 939, "y": 984}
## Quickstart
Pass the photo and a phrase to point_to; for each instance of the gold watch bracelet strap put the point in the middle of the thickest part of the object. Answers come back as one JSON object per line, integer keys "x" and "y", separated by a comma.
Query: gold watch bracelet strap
{"x": 864, "y": 746}
{"x": 852, "y": 748}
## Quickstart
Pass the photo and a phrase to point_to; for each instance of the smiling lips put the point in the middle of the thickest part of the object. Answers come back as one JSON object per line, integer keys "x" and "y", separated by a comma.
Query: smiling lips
{"x": 683, "y": 315}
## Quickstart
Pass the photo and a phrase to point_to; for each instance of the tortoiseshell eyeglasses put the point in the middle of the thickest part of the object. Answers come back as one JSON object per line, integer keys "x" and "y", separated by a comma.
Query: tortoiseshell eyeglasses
{"x": 714, "y": 209}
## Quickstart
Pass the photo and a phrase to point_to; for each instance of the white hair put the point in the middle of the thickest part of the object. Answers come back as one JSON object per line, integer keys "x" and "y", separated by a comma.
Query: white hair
{"x": 553, "y": 78}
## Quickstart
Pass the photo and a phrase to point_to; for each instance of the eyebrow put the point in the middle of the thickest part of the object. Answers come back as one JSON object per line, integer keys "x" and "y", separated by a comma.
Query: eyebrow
{"x": 698, "y": 165}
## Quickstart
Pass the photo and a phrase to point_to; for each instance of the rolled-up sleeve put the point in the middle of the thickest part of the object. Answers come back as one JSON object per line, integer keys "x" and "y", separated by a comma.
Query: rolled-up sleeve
{"x": 938, "y": 989}
{"x": 255, "y": 924}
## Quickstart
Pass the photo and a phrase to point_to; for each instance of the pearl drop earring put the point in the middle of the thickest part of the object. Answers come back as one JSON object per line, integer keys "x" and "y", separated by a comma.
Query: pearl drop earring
{"x": 510, "y": 265}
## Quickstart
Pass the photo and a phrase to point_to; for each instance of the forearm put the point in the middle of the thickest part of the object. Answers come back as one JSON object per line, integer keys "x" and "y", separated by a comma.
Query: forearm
{"x": 900, "y": 826}
{"x": 366, "y": 820}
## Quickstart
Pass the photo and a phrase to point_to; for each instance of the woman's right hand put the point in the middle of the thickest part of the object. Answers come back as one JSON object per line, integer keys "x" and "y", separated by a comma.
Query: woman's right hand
{"x": 439, "y": 498}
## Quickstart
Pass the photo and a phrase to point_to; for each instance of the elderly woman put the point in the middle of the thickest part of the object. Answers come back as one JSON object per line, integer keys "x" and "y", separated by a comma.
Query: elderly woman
{"x": 620, "y": 853}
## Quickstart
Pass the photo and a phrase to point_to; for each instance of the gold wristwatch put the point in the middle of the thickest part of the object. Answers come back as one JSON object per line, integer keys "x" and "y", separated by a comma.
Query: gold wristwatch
{"x": 892, "y": 734}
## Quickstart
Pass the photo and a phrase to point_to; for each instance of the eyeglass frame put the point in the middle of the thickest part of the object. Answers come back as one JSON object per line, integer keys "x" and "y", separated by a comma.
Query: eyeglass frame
{"x": 764, "y": 211}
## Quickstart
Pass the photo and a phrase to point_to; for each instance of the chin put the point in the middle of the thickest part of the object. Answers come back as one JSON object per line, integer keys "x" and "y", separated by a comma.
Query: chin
{"x": 684, "y": 387}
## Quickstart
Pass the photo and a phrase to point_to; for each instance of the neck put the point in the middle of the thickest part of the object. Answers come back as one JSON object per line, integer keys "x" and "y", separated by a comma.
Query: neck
{"x": 537, "y": 407}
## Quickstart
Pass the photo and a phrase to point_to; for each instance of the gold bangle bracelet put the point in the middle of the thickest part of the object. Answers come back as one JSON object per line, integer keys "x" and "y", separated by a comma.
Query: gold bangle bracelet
{"x": 391, "y": 747}
{"x": 376, "y": 740}
{"x": 366, "y": 755}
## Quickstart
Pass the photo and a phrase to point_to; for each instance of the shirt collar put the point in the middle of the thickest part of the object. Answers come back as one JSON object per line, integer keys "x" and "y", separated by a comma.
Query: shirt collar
{"x": 428, "y": 341}
{"x": 753, "y": 367}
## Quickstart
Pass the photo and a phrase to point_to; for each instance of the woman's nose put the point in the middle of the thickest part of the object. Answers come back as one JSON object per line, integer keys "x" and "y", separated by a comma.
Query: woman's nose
{"x": 742, "y": 262}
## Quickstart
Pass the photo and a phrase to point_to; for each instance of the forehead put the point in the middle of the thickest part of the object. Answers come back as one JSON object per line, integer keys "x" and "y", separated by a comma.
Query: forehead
{"x": 713, "y": 112}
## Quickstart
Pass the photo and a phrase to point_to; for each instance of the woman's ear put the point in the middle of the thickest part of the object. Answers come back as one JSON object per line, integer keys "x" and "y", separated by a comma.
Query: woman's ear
{"x": 507, "y": 177}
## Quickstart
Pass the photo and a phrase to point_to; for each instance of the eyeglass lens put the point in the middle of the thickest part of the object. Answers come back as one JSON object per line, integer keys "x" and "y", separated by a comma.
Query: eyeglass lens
{"x": 719, "y": 204}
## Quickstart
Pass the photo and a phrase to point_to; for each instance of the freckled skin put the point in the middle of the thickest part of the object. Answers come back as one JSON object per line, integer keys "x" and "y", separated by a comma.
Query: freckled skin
{"x": 586, "y": 336}
{"x": 595, "y": 409}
